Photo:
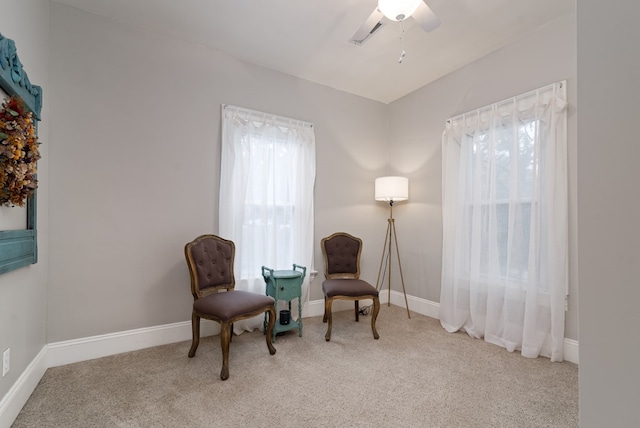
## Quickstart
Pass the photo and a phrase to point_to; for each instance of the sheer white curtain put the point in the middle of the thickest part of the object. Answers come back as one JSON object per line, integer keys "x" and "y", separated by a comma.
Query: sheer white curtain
{"x": 267, "y": 176}
{"x": 505, "y": 237}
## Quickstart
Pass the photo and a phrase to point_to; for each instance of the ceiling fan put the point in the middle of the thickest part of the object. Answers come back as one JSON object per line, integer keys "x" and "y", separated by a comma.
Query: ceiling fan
{"x": 396, "y": 10}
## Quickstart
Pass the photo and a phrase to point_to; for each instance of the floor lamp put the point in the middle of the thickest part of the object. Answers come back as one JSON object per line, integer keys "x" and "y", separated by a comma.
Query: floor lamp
{"x": 391, "y": 189}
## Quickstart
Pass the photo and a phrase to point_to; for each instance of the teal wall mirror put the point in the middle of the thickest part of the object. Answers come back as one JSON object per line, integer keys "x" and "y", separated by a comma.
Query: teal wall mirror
{"x": 18, "y": 238}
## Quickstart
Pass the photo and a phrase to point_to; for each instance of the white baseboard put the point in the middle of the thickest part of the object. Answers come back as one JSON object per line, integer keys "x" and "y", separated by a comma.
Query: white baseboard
{"x": 571, "y": 351}
{"x": 15, "y": 399}
{"x": 88, "y": 348}
{"x": 416, "y": 304}
{"x": 73, "y": 351}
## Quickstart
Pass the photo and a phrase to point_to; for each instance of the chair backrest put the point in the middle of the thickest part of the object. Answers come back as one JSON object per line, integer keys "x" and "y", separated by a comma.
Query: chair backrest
{"x": 341, "y": 253}
{"x": 210, "y": 260}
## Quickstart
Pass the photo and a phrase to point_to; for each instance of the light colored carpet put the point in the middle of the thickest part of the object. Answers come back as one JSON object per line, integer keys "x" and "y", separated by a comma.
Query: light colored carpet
{"x": 415, "y": 375}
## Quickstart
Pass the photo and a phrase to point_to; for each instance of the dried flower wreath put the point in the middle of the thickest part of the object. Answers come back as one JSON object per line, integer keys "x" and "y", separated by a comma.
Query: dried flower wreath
{"x": 19, "y": 153}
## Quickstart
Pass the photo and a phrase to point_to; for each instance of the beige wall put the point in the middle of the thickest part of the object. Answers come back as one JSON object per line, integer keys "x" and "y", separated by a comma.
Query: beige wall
{"x": 609, "y": 208}
{"x": 136, "y": 153}
{"x": 416, "y": 124}
{"x": 23, "y": 292}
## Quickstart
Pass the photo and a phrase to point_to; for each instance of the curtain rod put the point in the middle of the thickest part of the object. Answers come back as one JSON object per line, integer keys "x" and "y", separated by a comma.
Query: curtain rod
{"x": 561, "y": 84}
{"x": 275, "y": 117}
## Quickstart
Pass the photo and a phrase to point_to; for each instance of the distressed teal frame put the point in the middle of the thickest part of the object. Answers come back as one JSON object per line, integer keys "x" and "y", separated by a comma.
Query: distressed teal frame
{"x": 19, "y": 248}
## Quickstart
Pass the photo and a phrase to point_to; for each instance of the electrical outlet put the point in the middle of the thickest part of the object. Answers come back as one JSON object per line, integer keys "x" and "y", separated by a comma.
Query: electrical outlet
{"x": 6, "y": 360}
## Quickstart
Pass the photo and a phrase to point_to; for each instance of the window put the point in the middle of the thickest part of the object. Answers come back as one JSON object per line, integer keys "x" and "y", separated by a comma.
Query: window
{"x": 266, "y": 193}
{"x": 268, "y": 215}
{"x": 502, "y": 197}
{"x": 505, "y": 240}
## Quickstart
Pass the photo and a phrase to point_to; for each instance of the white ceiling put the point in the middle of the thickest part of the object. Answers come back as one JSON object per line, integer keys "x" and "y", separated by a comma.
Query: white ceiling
{"x": 310, "y": 38}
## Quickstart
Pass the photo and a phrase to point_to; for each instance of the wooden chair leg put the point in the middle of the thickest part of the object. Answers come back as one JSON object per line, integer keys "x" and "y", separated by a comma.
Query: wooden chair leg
{"x": 374, "y": 316}
{"x": 265, "y": 322}
{"x": 269, "y": 331}
{"x": 225, "y": 338}
{"x": 357, "y": 307}
{"x": 324, "y": 318}
{"x": 195, "y": 334}
{"x": 328, "y": 315}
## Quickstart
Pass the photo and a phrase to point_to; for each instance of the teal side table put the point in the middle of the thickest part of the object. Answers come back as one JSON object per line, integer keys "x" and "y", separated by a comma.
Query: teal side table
{"x": 285, "y": 285}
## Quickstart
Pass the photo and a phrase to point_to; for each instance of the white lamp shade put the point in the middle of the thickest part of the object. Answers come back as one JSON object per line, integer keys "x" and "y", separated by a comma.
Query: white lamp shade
{"x": 392, "y": 189}
{"x": 397, "y": 10}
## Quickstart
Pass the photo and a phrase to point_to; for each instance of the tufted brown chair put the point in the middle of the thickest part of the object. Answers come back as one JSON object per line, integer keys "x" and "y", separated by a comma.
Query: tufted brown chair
{"x": 210, "y": 260}
{"x": 341, "y": 253}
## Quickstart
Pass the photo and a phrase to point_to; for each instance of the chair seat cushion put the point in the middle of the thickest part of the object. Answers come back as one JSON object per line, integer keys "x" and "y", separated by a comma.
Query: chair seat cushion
{"x": 348, "y": 287}
{"x": 228, "y": 305}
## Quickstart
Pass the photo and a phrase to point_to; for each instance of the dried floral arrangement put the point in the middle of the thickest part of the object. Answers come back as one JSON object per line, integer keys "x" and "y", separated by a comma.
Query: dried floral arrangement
{"x": 19, "y": 153}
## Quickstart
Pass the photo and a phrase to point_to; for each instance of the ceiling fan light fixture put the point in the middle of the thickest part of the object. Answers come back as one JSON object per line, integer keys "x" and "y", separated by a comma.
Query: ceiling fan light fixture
{"x": 398, "y": 10}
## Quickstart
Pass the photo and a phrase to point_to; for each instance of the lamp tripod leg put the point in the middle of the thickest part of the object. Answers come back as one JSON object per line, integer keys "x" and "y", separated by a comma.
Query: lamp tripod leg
{"x": 384, "y": 252}
{"x": 391, "y": 229}
{"x": 404, "y": 291}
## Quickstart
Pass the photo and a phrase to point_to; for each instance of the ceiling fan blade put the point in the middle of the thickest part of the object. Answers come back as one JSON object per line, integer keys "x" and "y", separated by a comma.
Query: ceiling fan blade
{"x": 368, "y": 28}
{"x": 425, "y": 17}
